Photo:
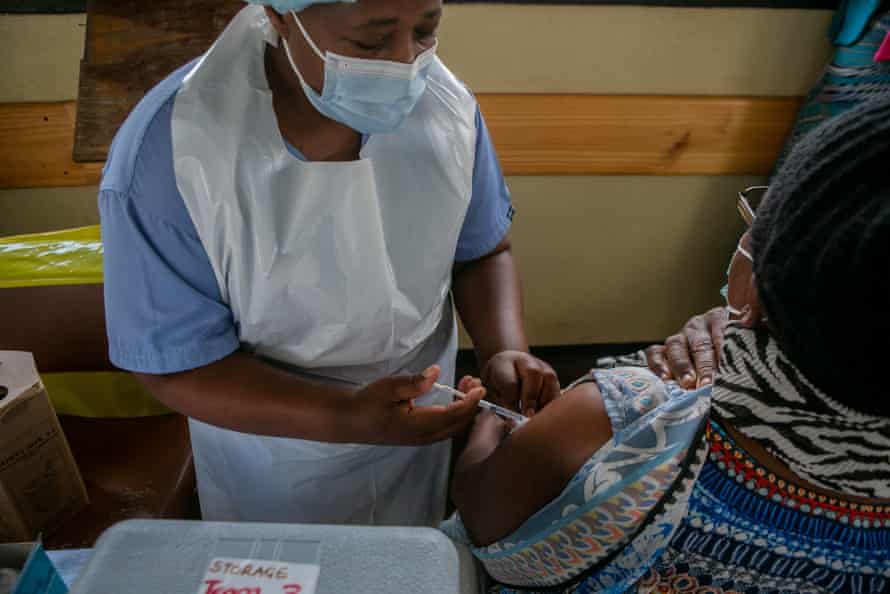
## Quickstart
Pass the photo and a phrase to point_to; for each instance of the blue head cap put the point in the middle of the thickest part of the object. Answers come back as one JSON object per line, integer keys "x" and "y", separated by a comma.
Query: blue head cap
{"x": 283, "y": 6}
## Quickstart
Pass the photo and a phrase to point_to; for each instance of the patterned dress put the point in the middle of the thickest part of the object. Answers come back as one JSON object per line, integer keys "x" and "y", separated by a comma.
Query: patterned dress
{"x": 672, "y": 504}
{"x": 859, "y": 69}
{"x": 748, "y": 531}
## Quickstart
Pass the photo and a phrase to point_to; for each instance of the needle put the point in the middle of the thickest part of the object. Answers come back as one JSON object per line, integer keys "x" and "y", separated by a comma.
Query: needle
{"x": 498, "y": 410}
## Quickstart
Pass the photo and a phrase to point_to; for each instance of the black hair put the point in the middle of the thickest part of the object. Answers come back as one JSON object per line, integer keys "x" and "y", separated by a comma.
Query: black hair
{"x": 821, "y": 247}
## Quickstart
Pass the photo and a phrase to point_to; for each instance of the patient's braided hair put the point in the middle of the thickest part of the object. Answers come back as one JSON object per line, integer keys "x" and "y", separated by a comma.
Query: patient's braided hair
{"x": 821, "y": 247}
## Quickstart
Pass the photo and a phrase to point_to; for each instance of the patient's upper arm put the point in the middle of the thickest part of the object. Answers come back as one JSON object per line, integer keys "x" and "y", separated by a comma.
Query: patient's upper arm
{"x": 532, "y": 466}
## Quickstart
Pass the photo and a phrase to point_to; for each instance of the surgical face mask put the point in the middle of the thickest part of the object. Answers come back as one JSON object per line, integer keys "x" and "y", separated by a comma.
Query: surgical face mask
{"x": 369, "y": 96}
{"x": 725, "y": 290}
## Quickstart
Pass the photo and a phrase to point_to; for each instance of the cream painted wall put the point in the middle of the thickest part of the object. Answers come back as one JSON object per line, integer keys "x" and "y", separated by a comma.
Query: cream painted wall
{"x": 635, "y": 50}
{"x": 33, "y": 210}
{"x": 603, "y": 259}
{"x": 531, "y": 49}
{"x": 590, "y": 249}
{"x": 41, "y": 56}
{"x": 622, "y": 259}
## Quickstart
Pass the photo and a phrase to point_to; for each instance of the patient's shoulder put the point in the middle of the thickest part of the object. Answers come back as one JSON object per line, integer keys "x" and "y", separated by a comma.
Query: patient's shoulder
{"x": 625, "y": 499}
{"x": 629, "y": 393}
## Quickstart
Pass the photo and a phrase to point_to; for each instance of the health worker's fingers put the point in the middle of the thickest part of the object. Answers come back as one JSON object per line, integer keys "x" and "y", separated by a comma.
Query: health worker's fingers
{"x": 467, "y": 383}
{"x": 404, "y": 387}
{"x": 502, "y": 381}
{"x": 428, "y": 424}
{"x": 550, "y": 391}
{"x": 530, "y": 381}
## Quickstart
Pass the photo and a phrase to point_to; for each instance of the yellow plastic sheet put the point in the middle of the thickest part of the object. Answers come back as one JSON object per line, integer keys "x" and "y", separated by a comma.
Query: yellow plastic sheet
{"x": 70, "y": 257}
{"x": 73, "y": 257}
{"x": 110, "y": 394}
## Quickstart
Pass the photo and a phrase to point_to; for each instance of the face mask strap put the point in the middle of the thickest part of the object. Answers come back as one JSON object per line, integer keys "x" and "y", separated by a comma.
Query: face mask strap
{"x": 293, "y": 64}
{"x": 725, "y": 290}
{"x": 426, "y": 56}
{"x": 306, "y": 37}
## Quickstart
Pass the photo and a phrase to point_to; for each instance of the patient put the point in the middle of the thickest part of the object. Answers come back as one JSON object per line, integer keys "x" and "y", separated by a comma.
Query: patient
{"x": 777, "y": 479}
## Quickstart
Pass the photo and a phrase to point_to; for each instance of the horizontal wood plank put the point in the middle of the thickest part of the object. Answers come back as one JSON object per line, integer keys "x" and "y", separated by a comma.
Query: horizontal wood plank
{"x": 608, "y": 135}
{"x": 533, "y": 134}
{"x": 36, "y": 143}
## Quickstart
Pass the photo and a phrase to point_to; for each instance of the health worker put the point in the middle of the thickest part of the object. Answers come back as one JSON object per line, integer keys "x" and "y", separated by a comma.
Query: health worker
{"x": 290, "y": 222}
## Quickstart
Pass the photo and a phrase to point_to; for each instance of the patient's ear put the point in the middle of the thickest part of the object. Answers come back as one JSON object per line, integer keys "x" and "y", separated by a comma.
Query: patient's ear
{"x": 753, "y": 314}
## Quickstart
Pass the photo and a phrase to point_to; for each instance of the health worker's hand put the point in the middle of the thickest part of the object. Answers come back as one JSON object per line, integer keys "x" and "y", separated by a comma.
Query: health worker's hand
{"x": 692, "y": 355}
{"x": 384, "y": 412}
{"x": 520, "y": 381}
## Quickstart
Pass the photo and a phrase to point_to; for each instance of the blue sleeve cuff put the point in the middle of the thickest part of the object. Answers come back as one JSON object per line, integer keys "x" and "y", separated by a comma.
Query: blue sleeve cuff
{"x": 174, "y": 360}
{"x": 490, "y": 211}
{"x": 163, "y": 309}
{"x": 499, "y": 231}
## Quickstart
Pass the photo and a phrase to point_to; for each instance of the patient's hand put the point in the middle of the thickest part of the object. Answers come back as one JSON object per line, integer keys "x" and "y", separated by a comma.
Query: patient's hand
{"x": 691, "y": 356}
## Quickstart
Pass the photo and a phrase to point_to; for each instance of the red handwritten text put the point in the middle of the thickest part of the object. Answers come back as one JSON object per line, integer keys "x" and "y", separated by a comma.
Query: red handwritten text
{"x": 214, "y": 587}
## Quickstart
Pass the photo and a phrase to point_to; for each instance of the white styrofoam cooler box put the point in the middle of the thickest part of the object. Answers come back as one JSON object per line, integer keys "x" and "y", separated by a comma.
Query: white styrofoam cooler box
{"x": 180, "y": 557}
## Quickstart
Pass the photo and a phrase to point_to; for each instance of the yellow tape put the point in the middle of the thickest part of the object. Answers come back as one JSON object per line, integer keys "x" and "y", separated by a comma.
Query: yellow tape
{"x": 69, "y": 257}
{"x": 103, "y": 394}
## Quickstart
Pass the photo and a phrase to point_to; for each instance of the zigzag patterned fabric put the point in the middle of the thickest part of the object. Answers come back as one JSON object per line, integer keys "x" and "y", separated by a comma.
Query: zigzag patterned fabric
{"x": 760, "y": 393}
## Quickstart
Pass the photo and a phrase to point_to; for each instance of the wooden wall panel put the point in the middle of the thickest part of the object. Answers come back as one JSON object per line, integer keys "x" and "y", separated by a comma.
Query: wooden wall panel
{"x": 130, "y": 47}
{"x": 36, "y": 147}
{"x": 533, "y": 134}
{"x": 595, "y": 135}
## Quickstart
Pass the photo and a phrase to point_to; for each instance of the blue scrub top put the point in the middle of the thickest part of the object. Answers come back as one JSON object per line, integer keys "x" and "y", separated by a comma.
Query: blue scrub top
{"x": 163, "y": 307}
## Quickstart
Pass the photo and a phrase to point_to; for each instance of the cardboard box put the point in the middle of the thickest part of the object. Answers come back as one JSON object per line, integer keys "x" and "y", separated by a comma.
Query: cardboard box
{"x": 37, "y": 574}
{"x": 40, "y": 485}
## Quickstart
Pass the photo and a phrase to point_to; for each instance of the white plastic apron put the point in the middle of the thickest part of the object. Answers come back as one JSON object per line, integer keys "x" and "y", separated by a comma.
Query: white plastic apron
{"x": 336, "y": 270}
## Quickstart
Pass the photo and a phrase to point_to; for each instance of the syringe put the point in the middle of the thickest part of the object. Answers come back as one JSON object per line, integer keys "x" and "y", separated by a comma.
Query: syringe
{"x": 500, "y": 411}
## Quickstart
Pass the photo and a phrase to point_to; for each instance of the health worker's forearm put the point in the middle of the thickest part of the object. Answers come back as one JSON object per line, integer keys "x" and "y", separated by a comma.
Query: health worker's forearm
{"x": 242, "y": 393}
{"x": 488, "y": 297}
